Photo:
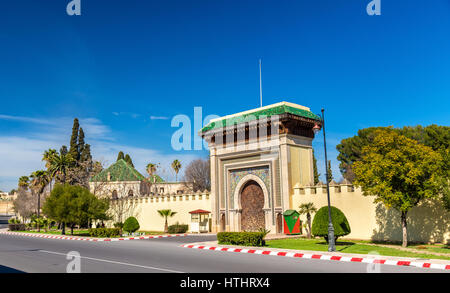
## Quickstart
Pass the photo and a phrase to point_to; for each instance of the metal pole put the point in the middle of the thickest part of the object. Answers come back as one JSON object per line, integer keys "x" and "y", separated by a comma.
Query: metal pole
{"x": 260, "y": 82}
{"x": 331, "y": 244}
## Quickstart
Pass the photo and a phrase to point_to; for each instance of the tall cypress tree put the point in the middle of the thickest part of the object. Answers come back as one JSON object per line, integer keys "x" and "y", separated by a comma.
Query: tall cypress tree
{"x": 316, "y": 172}
{"x": 63, "y": 150}
{"x": 330, "y": 173}
{"x": 128, "y": 160}
{"x": 120, "y": 156}
{"x": 86, "y": 154}
{"x": 74, "y": 151}
{"x": 81, "y": 143}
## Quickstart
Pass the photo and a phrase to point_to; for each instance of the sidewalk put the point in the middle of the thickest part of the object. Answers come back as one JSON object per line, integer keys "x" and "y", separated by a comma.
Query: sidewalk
{"x": 325, "y": 255}
{"x": 80, "y": 238}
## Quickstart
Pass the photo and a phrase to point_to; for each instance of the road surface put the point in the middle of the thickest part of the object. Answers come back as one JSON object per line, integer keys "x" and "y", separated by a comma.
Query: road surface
{"x": 164, "y": 255}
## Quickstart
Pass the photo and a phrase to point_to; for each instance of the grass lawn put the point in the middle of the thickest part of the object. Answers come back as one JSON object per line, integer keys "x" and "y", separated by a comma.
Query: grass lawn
{"x": 153, "y": 232}
{"x": 359, "y": 247}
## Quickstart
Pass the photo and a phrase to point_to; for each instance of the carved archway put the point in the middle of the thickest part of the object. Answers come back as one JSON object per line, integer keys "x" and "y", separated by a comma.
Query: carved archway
{"x": 252, "y": 207}
{"x": 240, "y": 186}
{"x": 114, "y": 195}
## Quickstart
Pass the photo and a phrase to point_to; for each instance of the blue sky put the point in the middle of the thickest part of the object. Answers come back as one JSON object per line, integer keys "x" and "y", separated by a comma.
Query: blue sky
{"x": 125, "y": 68}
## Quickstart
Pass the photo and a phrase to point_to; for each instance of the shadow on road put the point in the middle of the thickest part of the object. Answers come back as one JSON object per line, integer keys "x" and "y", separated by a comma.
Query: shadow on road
{"x": 8, "y": 270}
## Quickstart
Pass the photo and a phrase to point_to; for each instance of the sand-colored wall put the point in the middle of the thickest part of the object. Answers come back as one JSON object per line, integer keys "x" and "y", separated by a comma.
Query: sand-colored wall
{"x": 428, "y": 222}
{"x": 6, "y": 207}
{"x": 146, "y": 209}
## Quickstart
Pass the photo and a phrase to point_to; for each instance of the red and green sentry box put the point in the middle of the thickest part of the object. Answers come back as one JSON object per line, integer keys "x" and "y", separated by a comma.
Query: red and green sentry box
{"x": 292, "y": 223}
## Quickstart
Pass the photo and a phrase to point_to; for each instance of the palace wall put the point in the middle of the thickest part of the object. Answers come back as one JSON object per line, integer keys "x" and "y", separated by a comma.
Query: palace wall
{"x": 428, "y": 222}
{"x": 6, "y": 207}
{"x": 145, "y": 209}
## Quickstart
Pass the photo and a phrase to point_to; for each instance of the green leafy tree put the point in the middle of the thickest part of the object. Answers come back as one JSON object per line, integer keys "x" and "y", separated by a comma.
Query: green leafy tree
{"x": 120, "y": 156}
{"x": 74, "y": 205}
{"x": 307, "y": 209}
{"x": 176, "y": 166}
{"x": 399, "y": 172}
{"x": 166, "y": 214}
{"x": 316, "y": 172}
{"x": 433, "y": 136}
{"x": 350, "y": 150}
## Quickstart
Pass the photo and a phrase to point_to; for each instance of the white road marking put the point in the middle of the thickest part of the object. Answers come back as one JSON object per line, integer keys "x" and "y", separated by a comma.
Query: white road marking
{"x": 114, "y": 262}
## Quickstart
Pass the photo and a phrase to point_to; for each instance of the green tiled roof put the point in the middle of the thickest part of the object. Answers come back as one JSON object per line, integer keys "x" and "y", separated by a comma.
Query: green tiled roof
{"x": 277, "y": 109}
{"x": 156, "y": 179}
{"x": 119, "y": 171}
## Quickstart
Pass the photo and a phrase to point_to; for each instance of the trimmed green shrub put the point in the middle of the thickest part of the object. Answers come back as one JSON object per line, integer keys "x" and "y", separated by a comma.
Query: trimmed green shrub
{"x": 104, "y": 232}
{"x": 178, "y": 228}
{"x": 320, "y": 223}
{"x": 131, "y": 225}
{"x": 241, "y": 238}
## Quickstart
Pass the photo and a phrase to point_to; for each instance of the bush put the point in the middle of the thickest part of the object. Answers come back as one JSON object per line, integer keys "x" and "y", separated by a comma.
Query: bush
{"x": 178, "y": 228}
{"x": 131, "y": 225}
{"x": 14, "y": 221}
{"x": 104, "y": 232}
{"x": 320, "y": 223}
{"x": 118, "y": 225}
{"x": 241, "y": 238}
{"x": 17, "y": 227}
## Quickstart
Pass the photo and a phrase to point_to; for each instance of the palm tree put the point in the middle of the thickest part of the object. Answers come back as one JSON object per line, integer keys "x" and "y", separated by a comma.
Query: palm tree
{"x": 151, "y": 169}
{"x": 39, "y": 180}
{"x": 24, "y": 182}
{"x": 48, "y": 158}
{"x": 59, "y": 165}
{"x": 176, "y": 166}
{"x": 308, "y": 209}
{"x": 165, "y": 214}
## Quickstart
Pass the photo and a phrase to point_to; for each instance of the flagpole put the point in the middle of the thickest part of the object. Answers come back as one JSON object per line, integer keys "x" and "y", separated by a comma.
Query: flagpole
{"x": 260, "y": 83}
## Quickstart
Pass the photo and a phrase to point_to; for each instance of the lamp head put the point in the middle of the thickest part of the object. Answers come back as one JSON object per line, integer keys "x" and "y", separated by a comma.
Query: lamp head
{"x": 316, "y": 128}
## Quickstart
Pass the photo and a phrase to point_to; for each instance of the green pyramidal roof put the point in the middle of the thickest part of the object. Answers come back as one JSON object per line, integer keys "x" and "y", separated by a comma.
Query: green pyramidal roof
{"x": 156, "y": 179}
{"x": 119, "y": 171}
{"x": 263, "y": 112}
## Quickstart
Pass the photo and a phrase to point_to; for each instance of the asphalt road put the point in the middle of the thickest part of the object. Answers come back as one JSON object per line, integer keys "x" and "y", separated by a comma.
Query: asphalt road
{"x": 164, "y": 255}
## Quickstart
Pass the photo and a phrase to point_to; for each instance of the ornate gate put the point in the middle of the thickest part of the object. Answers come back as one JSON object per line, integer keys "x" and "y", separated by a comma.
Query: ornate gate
{"x": 252, "y": 203}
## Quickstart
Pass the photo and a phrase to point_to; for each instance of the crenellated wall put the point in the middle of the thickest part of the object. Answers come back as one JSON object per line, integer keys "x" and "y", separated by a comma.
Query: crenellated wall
{"x": 145, "y": 209}
{"x": 428, "y": 222}
{"x": 6, "y": 207}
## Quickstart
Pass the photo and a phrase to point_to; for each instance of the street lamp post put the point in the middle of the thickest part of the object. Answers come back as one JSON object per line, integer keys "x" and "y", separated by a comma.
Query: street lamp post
{"x": 331, "y": 244}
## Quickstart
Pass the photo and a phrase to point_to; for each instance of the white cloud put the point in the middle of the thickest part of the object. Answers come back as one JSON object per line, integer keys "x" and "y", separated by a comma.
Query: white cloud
{"x": 158, "y": 118}
{"x": 22, "y": 154}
